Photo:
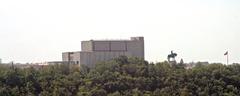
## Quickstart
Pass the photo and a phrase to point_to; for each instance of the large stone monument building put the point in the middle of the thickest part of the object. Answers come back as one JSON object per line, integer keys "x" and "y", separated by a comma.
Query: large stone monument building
{"x": 95, "y": 51}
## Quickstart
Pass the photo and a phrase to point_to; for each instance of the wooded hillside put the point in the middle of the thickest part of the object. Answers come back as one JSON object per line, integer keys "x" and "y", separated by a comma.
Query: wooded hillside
{"x": 122, "y": 77}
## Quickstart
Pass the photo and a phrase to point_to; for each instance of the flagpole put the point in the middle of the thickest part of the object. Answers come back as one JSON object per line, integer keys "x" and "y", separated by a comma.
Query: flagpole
{"x": 226, "y": 53}
{"x": 227, "y": 59}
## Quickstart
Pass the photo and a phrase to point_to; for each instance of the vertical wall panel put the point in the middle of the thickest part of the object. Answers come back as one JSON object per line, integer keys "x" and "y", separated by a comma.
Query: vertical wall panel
{"x": 118, "y": 46}
{"x": 101, "y": 46}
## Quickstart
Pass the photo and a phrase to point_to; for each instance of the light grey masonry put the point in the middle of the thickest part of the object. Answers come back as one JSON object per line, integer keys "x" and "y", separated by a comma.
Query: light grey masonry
{"x": 95, "y": 51}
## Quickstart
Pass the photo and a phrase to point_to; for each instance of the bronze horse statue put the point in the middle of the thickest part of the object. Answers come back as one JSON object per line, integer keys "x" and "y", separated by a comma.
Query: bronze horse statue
{"x": 172, "y": 55}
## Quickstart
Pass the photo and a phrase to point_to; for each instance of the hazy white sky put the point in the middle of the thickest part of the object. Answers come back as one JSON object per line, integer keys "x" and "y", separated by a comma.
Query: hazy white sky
{"x": 198, "y": 30}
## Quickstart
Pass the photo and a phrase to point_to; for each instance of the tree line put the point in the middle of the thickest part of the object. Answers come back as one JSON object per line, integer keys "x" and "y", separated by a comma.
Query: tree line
{"x": 122, "y": 76}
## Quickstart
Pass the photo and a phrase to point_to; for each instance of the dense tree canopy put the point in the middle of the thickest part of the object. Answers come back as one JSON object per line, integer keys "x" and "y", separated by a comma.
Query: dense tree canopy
{"x": 122, "y": 77}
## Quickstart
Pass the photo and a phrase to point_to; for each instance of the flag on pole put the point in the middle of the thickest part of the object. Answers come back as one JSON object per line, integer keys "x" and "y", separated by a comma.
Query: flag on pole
{"x": 226, "y": 53}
